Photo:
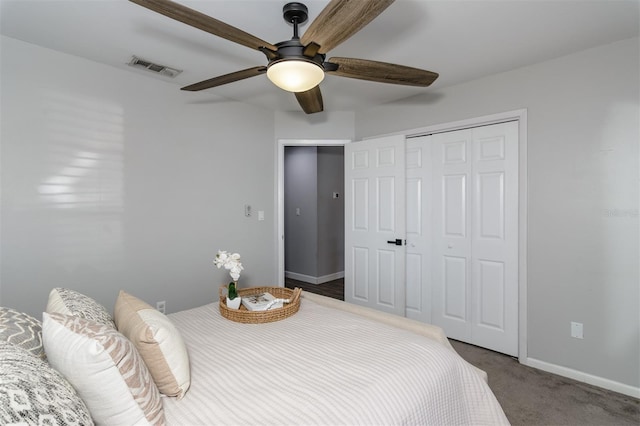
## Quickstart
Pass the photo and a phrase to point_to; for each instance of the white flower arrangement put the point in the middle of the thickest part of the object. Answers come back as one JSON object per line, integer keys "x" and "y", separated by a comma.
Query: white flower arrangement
{"x": 231, "y": 262}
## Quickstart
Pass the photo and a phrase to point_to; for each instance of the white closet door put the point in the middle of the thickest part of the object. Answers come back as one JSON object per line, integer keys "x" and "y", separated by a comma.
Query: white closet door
{"x": 475, "y": 235}
{"x": 418, "y": 250}
{"x": 451, "y": 247}
{"x": 374, "y": 220}
{"x": 494, "y": 242}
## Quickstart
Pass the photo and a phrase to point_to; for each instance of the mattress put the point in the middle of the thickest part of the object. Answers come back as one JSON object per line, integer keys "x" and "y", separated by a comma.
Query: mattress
{"x": 331, "y": 363}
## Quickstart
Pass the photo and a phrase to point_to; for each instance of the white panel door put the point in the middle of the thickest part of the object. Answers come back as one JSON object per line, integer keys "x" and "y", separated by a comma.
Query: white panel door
{"x": 494, "y": 242}
{"x": 475, "y": 235}
{"x": 374, "y": 221}
{"x": 451, "y": 247}
{"x": 418, "y": 250}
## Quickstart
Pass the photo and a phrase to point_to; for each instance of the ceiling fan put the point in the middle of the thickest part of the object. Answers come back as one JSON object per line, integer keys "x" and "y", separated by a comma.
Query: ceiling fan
{"x": 299, "y": 65}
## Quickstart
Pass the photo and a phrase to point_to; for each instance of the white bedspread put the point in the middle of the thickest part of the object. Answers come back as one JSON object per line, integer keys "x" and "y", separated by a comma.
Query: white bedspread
{"x": 325, "y": 365}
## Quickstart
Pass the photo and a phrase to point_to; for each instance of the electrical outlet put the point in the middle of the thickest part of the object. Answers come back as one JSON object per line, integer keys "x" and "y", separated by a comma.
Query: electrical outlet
{"x": 160, "y": 306}
{"x": 576, "y": 330}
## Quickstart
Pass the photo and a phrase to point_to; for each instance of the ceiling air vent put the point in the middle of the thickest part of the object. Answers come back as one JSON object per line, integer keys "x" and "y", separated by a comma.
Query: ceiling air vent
{"x": 150, "y": 66}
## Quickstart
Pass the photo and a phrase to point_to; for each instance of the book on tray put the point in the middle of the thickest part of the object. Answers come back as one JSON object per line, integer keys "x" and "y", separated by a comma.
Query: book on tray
{"x": 260, "y": 302}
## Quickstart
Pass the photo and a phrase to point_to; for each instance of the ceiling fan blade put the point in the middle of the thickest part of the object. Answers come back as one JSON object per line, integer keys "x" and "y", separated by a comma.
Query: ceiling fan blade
{"x": 381, "y": 72}
{"x": 204, "y": 22}
{"x": 341, "y": 19}
{"x": 311, "y": 100}
{"x": 227, "y": 78}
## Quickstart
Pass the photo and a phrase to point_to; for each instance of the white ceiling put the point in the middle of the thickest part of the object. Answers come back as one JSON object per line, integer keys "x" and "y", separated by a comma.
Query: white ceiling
{"x": 461, "y": 40}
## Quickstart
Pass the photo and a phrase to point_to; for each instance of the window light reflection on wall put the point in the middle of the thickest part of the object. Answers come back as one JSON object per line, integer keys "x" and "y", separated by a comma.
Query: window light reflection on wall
{"x": 85, "y": 146}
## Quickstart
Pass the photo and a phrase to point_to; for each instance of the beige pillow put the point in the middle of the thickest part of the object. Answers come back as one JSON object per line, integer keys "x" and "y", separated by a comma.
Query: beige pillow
{"x": 104, "y": 368}
{"x": 158, "y": 342}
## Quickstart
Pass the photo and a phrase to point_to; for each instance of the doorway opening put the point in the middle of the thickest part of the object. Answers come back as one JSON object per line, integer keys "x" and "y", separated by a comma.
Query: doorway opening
{"x": 308, "y": 228}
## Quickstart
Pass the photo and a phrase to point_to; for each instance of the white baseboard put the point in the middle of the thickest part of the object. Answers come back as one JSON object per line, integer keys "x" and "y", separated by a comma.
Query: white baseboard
{"x": 314, "y": 280}
{"x": 584, "y": 377}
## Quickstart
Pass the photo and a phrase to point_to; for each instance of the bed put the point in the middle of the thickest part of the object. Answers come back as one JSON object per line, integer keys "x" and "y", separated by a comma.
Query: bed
{"x": 332, "y": 363}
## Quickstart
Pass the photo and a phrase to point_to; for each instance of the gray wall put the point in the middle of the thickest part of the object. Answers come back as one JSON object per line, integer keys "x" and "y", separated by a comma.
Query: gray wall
{"x": 301, "y": 192}
{"x": 112, "y": 180}
{"x": 583, "y": 233}
{"x": 330, "y": 210}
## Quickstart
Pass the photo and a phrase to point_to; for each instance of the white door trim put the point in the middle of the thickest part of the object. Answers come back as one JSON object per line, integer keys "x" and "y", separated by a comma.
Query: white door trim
{"x": 519, "y": 115}
{"x": 282, "y": 143}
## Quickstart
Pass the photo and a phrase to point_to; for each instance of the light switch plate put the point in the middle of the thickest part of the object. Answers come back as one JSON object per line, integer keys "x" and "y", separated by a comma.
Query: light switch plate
{"x": 577, "y": 330}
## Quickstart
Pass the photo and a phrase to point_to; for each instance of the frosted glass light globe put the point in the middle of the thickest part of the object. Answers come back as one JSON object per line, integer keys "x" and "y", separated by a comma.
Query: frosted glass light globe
{"x": 295, "y": 75}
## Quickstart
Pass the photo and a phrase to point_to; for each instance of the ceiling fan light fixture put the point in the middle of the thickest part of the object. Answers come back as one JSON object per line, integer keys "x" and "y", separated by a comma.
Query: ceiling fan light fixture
{"x": 295, "y": 75}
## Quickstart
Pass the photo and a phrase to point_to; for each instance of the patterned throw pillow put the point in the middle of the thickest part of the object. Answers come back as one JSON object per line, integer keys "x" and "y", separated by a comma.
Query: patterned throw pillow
{"x": 22, "y": 330}
{"x": 32, "y": 392}
{"x": 158, "y": 342}
{"x": 70, "y": 302}
{"x": 105, "y": 368}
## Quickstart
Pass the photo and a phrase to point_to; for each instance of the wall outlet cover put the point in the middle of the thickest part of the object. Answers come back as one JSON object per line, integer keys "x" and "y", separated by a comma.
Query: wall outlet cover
{"x": 577, "y": 330}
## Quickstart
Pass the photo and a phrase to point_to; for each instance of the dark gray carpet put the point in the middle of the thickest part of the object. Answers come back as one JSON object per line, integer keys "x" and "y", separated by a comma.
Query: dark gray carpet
{"x": 533, "y": 397}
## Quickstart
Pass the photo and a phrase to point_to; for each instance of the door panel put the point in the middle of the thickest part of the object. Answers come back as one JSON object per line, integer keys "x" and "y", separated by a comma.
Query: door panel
{"x": 491, "y": 288}
{"x": 455, "y": 205}
{"x": 375, "y": 214}
{"x": 491, "y": 205}
{"x": 451, "y": 247}
{"x": 360, "y": 272}
{"x": 455, "y": 288}
{"x": 418, "y": 248}
{"x": 360, "y": 212}
{"x": 495, "y": 237}
{"x": 414, "y": 291}
{"x": 385, "y": 197}
{"x": 386, "y": 261}
{"x": 475, "y": 228}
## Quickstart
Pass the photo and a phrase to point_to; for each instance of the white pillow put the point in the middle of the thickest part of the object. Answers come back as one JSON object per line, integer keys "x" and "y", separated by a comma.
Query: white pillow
{"x": 158, "y": 342}
{"x": 105, "y": 368}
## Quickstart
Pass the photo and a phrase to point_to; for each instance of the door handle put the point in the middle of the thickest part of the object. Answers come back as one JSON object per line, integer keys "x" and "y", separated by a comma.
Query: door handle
{"x": 397, "y": 242}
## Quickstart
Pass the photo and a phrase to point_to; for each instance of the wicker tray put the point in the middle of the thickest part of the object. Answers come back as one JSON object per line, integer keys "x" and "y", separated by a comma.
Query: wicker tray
{"x": 256, "y": 317}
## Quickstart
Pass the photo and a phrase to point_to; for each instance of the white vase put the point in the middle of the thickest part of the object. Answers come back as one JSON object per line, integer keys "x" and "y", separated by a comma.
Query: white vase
{"x": 235, "y": 303}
